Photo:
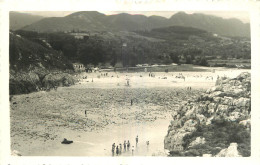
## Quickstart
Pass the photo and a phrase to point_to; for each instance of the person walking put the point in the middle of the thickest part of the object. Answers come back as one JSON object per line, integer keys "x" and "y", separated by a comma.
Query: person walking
{"x": 85, "y": 113}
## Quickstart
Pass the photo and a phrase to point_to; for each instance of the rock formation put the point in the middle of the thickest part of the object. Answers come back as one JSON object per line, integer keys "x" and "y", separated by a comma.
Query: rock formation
{"x": 231, "y": 151}
{"x": 225, "y": 106}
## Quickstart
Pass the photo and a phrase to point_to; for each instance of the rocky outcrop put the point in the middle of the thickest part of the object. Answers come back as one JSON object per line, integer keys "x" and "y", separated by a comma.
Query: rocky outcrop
{"x": 23, "y": 82}
{"x": 228, "y": 103}
{"x": 231, "y": 151}
{"x": 15, "y": 153}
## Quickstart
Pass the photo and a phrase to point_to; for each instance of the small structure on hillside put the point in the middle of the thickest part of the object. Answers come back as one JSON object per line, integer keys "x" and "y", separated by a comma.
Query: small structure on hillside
{"x": 81, "y": 36}
{"x": 78, "y": 67}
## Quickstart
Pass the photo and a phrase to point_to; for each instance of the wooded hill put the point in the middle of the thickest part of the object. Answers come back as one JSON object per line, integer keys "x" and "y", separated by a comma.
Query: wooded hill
{"x": 95, "y": 21}
{"x": 173, "y": 44}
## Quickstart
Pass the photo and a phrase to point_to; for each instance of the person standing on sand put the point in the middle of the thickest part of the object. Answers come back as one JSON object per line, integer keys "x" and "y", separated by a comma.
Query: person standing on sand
{"x": 136, "y": 140}
{"x": 147, "y": 145}
{"x": 131, "y": 102}
{"x": 128, "y": 145}
{"x": 124, "y": 145}
{"x": 120, "y": 148}
{"x": 117, "y": 151}
{"x": 133, "y": 148}
{"x": 113, "y": 149}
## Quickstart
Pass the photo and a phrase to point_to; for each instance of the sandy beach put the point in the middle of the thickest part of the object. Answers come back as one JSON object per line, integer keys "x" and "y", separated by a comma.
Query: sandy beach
{"x": 40, "y": 120}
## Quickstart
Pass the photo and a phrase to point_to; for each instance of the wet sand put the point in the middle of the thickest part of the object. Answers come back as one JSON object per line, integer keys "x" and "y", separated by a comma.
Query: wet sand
{"x": 40, "y": 121}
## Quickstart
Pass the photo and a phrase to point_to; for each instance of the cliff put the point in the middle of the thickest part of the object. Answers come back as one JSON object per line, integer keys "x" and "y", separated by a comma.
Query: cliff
{"x": 218, "y": 121}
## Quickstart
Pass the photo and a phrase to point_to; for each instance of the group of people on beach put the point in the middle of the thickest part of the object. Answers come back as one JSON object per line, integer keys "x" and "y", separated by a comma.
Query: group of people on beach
{"x": 104, "y": 74}
{"x": 151, "y": 74}
{"x": 118, "y": 149}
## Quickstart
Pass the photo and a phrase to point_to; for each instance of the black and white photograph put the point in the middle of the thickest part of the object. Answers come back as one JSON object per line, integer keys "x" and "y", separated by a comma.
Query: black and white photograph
{"x": 94, "y": 83}
{"x": 122, "y": 84}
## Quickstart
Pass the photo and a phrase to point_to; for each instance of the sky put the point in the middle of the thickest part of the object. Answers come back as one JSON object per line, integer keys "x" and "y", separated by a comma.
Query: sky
{"x": 243, "y": 16}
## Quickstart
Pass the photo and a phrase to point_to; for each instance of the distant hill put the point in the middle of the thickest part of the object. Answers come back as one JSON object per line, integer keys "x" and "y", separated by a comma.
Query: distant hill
{"x": 19, "y": 20}
{"x": 227, "y": 27}
{"x": 95, "y": 21}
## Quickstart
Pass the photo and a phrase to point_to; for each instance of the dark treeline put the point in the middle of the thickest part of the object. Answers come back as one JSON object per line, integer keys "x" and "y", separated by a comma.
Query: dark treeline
{"x": 158, "y": 46}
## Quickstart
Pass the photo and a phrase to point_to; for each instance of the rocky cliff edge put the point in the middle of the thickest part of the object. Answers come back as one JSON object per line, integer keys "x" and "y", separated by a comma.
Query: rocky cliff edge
{"x": 216, "y": 124}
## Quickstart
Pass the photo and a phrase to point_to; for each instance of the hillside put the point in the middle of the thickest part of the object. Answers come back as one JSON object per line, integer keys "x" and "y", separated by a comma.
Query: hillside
{"x": 19, "y": 20}
{"x": 27, "y": 55}
{"x": 193, "y": 42}
{"x": 35, "y": 67}
{"x": 163, "y": 45}
{"x": 95, "y": 21}
{"x": 227, "y": 27}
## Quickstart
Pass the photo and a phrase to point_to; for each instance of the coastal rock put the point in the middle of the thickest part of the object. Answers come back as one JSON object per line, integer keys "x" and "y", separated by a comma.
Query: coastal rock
{"x": 228, "y": 101}
{"x": 231, "y": 151}
{"x": 216, "y": 99}
{"x": 217, "y": 94}
{"x": 207, "y": 155}
{"x": 209, "y": 120}
{"x": 235, "y": 116}
{"x": 190, "y": 125}
{"x": 242, "y": 102}
{"x": 15, "y": 153}
{"x": 198, "y": 141}
{"x": 246, "y": 123}
{"x": 222, "y": 108}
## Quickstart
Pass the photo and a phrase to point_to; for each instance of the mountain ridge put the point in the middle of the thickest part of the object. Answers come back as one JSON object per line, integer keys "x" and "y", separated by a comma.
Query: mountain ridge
{"x": 95, "y": 21}
{"x": 19, "y": 20}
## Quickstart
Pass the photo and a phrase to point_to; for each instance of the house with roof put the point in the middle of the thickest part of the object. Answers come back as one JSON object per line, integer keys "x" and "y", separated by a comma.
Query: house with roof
{"x": 78, "y": 67}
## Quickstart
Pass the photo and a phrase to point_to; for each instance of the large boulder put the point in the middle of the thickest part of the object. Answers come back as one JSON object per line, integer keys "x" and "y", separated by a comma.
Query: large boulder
{"x": 242, "y": 102}
{"x": 246, "y": 123}
{"x": 231, "y": 151}
{"x": 197, "y": 141}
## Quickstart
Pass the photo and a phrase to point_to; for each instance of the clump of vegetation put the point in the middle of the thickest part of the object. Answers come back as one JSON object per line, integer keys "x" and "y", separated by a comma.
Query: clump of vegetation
{"x": 23, "y": 83}
{"x": 58, "y": 79}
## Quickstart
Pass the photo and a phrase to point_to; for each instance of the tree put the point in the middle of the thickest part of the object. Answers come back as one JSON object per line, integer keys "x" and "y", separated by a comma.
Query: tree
{"x": 69, "y": 50}
{"x": 203, "y": 61}
{"x": 175, "y": 57}
{"x": 188, "y": 59}
{"x": 91, "y": 53}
